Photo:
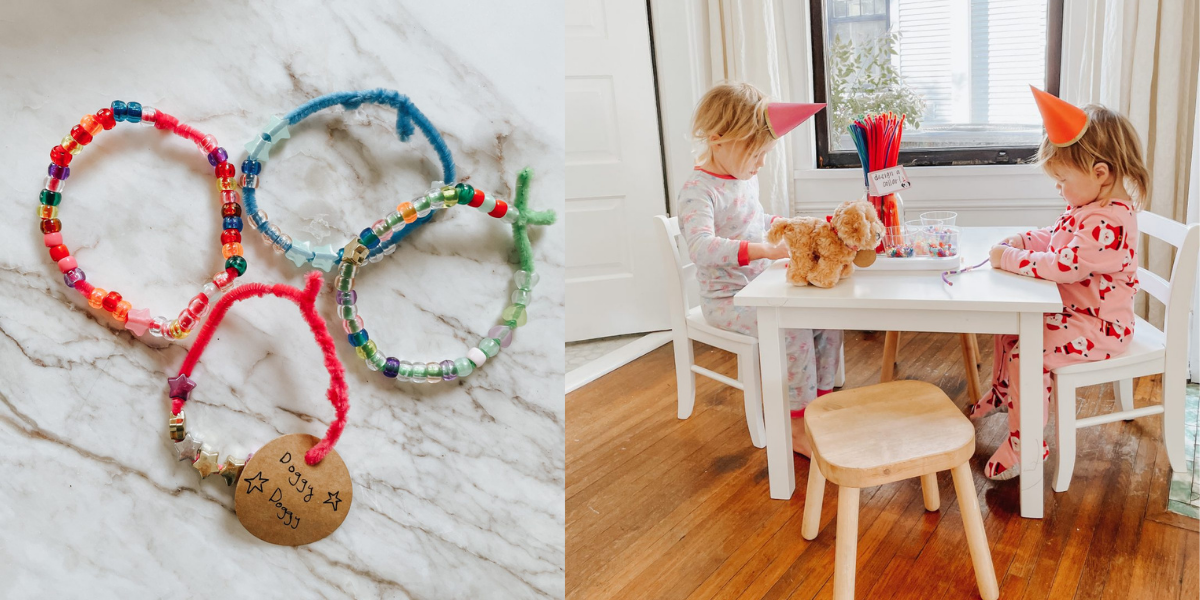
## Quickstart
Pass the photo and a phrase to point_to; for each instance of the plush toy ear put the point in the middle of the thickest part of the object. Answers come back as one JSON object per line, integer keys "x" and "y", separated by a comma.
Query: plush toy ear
{"x": 778, "y": 228}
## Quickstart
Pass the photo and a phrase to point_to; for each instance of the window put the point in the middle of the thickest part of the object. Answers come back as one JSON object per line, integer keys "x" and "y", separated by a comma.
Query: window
{"x": 959, "y": 70}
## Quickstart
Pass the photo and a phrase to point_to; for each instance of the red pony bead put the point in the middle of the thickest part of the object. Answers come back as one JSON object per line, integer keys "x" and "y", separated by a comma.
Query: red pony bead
{"x": 477, "y": 199}
{"x": 105, "y": 116}
{"x": 110, "y": 301}
{"x": 79, "y": 134}
{"x": 60, "y": 156}
{"x": 501, "y": 208}
{"x": 224, "y": 169}
{"x": 230, "y": 236}
{"x": 59, "y": 252}
{"x": 51, "y": 226}
{"x": 232, "y": 209}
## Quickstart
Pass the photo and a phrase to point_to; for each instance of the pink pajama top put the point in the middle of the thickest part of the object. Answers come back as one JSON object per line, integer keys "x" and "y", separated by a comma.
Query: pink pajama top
{"x": 719, "y": 216}
{"x": 1091, "y": 252}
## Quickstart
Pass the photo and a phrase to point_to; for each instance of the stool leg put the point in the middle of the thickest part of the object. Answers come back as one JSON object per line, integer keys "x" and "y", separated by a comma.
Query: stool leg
{"x": 981, "y": 556}
{"x": 846, "y": 544}
{"x": 812, "y": 500}
{"x": 929, "y": 489}
{"x": 970, "y": 370}
{"x": 891, "y": 341}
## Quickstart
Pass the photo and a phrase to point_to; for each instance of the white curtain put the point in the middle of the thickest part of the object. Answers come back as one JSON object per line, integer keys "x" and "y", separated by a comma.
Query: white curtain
{"x": 1140, "y": 58}
{"x": 748, "y": 45}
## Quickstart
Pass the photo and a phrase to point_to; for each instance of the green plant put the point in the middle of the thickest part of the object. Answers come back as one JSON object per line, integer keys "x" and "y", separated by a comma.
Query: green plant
{"x": 864, "y": 80}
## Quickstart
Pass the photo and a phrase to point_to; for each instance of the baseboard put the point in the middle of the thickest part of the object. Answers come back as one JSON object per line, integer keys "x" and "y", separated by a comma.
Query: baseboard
{"x": 616, "y": 359}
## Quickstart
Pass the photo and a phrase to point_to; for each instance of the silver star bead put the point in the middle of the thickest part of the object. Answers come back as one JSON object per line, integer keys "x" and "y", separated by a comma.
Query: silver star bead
{"x": 206, "y": 463}
{"x": 188, "y": 448}
{"x": 231, "y": 470}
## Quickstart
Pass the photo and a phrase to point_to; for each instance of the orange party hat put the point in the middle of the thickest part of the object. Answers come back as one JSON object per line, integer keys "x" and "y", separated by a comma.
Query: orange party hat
{"x": 1065, "y": 122}
{"x": 783, "y": 117}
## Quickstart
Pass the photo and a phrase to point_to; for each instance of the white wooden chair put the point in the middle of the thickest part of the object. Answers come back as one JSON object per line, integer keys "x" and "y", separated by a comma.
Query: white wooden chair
{"x": 1151, "y": 352}
{"x": 687, "y": 324}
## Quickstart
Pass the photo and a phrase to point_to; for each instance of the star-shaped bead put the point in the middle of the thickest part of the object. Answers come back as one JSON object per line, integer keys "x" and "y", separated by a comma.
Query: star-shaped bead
{"x": 279, "y": 126}
{"x": 138, "y": 322}
{"x": 231, "y": 469}
{"x": 206, "y": 463}
{"x": 324, "y": 257}
{"x": 525, "y": 218}
{"x": 299, "y": 253}
{"x": 262, "y": 146}
{"x": 188, "y": 448}
{"x": 181, "y": 386}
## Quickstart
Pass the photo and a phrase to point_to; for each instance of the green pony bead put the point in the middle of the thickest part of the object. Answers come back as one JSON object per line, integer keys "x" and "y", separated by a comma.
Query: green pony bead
{"x": 515, "y": 313}
{"x": 489, "y": 347}
{"x": 418, "y": 371}
{"x": 50, "y": 198}
{"x": 343, "y": 284}
{"x": 347, "y": 313}
{"x": 465, "y": 192}
{"x": 376, "y": 362}
{"x": 237, "y": 263}
{"x": 463, "y": 366}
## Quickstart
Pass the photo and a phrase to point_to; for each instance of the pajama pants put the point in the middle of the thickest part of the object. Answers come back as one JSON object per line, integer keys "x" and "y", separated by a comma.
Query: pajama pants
{"x": 1067, "y": 339}
{"x": 812, "y": 353}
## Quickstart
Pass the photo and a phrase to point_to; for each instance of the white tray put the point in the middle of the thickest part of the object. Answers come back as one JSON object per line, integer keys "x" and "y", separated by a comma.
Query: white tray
{"x": 916, "y": 263}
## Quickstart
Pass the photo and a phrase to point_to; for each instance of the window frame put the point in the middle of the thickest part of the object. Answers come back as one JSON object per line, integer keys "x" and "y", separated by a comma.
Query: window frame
{"x": 1000, "y": 155}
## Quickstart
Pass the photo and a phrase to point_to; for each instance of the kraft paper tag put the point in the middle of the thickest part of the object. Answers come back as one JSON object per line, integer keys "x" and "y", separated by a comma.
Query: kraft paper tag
{"x": 888, "y": 181}
{"x": 864, "y": 258}
{"x": 282, "y": 500}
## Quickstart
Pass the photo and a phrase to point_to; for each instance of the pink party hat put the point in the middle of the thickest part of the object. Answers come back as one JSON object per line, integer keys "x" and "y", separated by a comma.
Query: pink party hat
{"x": 783, "y": 117}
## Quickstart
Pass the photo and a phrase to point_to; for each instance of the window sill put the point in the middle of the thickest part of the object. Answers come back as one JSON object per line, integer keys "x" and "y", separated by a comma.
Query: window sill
{"x": 917, "y": 173}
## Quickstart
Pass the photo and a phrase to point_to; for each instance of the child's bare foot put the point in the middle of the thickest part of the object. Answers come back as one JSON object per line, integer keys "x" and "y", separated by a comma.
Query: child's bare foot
{"x": 800, "y": 437}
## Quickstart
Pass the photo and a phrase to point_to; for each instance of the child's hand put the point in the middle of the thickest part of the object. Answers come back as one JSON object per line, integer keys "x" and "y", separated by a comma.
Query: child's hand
{"x": 1015, "y": 241}
{"x": 771, "y": 251}
{"x": 996, "y": 254}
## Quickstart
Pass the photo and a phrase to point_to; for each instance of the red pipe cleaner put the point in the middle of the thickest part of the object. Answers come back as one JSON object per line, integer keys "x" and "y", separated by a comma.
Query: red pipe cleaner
{"x": 306, "y": 300}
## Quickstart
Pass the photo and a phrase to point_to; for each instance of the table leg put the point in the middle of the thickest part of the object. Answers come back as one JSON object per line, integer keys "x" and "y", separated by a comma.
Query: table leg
{"x": 1031, "y": 424}
{"x": 781, "y": 467}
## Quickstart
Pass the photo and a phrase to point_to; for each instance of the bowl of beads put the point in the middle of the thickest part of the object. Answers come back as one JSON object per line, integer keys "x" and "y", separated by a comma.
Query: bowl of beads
{"x": 898, "y": 242}
{"x": 939, "y": 217}
{"x": 938, "y": 241}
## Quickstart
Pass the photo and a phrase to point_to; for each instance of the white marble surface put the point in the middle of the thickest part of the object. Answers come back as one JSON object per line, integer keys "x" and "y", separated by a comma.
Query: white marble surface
{"x": 458, "y": 487}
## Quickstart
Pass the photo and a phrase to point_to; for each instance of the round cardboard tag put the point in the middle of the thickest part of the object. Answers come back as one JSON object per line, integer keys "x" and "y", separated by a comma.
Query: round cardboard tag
{"x": 282, "y": 500}
{"x": 865, "y": 258}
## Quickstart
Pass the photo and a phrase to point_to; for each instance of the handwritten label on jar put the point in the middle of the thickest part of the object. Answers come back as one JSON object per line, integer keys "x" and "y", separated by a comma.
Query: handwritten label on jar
{"x": 888, "y": 181}
{"x": 283, "y": 500}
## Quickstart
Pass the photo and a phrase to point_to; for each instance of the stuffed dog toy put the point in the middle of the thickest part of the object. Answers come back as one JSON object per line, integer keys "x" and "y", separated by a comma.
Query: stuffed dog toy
{"x": 823, "y": 250}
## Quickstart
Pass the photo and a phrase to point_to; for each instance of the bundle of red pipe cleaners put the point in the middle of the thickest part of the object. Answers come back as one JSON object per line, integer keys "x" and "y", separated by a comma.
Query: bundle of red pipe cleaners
{"x": 877, "y": 139}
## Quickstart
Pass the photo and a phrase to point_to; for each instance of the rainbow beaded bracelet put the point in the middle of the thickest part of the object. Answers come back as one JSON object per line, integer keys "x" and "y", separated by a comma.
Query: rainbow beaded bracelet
{"x": 259, "y": 149}
{"x": 139, "y": 321}
{"x": 357, "y": 252}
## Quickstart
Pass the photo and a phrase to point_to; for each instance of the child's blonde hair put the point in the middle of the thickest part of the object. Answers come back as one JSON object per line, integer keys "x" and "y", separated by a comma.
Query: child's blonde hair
{"x": 1109, "y": 139}
{"x": 734, "y": 112}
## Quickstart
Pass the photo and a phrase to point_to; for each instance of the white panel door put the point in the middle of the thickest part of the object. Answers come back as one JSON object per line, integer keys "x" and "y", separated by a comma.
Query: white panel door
{"x": 614, "y": 172}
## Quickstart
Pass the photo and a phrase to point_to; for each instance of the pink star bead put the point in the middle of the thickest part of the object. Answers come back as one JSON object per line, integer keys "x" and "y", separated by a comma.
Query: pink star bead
{"x": 139, "y": 321}
{"x": 181, "y": 386}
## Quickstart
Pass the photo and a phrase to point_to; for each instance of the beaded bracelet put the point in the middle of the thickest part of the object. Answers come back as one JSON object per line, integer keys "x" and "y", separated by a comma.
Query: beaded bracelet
{"x": 357, "y": 251}
{"x": 189, "y": 446}
{"x": 258, "y": 149}
{"x": 139, "y": 321}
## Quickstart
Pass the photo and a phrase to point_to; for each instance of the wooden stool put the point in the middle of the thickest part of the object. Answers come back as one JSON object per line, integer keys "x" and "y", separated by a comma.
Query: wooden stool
{"x": 883, "y": 433}
{"x": 970, "y": 350}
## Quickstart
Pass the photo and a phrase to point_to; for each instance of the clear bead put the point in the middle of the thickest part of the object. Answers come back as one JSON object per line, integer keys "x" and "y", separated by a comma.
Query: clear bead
{"x": 158, "y": 326}
{"x": 376, "y": 258}
{"x": 149, "y": 114}
{"x": 525, "y": 280}
{"x": 258, "y": 219}
{"x": 511, "y": 215}
{"x": 209, "y": 288}
{"x": 389, "y": 250}
{"x": 521, "y": 297}
{"x": 433, "y": 372}
{"x": 285, "y": 243}
{"x": 404, "y": 371}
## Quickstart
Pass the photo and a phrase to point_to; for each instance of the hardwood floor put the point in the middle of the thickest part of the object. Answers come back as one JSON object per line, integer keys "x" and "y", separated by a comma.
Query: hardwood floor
{"x": 663, "y": 508}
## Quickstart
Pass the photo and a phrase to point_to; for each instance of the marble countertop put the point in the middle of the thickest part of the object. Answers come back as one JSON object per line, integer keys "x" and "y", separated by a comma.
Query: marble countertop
{"x": 459, "y": 486}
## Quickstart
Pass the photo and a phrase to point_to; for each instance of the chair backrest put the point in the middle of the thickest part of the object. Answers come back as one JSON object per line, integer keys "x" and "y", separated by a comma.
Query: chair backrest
{"x": 682, "y": 288}
{"x": 1176, "y": 293}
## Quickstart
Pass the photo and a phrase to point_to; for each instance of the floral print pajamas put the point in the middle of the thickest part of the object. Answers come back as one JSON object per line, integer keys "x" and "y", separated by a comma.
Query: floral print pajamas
{"x": 719, "y": 217}
{"x": 1091, "y": 252}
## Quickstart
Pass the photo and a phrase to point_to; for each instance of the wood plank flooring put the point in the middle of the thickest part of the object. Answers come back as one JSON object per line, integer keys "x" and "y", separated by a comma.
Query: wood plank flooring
{"x": 663, "y": 508}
